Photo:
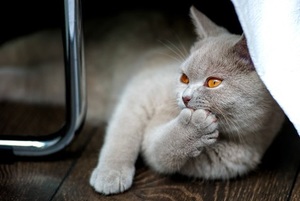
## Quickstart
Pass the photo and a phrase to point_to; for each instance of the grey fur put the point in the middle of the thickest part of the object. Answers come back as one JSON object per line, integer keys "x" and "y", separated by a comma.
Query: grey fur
{"x": 222, "y": 134}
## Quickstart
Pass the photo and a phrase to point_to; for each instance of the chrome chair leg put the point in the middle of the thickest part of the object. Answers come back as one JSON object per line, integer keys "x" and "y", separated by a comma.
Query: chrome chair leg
{"x": 75, "y": 94}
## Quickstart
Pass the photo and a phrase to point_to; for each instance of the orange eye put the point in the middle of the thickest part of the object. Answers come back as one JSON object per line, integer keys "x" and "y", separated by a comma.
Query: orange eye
{"x": 184, "y": 79}
{"x": 213, "y": 82}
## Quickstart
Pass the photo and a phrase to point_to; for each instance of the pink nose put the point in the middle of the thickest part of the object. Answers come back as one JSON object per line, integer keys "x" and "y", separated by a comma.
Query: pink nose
{"x": 186, "y": 100}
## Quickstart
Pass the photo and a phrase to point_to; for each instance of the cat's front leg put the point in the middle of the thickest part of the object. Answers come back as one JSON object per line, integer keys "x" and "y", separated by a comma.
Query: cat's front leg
{"x": 116, "y": 167}
{"x": 111, "y": 177}
{"x": 168, "y": 147}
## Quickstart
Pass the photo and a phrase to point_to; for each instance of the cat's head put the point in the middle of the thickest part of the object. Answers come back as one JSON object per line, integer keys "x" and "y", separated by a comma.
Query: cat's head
{"x": 219, "y": 76}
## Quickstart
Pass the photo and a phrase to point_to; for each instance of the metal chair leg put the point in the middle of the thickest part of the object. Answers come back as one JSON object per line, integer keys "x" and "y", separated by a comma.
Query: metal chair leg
{"x": 75, "y": 94}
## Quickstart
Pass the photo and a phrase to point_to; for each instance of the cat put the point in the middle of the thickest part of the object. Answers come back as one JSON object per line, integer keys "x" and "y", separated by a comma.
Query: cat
{"x": 208, "y": 117}
{"x": 205, "y": 114}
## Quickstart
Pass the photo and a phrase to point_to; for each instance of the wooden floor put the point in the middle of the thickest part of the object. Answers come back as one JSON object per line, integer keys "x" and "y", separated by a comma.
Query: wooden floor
{"x": 64, "y": 176}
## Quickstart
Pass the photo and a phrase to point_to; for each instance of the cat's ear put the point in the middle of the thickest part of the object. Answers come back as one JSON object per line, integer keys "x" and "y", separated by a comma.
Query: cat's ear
{"x": 204, "y": 26}
{"x": 241, "y": 49}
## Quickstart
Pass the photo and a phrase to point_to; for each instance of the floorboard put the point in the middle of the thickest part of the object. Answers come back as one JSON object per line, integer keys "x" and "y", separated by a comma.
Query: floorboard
{"x": 19, "y": 118}
{"x": 295, "y": 196}
{"x": 273, "y": 180}
{"x": 39, "y": 178}
{"x": 64, "y": 176}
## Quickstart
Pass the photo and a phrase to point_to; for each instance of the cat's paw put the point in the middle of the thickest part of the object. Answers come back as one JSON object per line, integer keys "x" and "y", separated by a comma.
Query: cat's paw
{"x": 185, "y": 116}
{"x": 112, "y": 180}
{"x": 200, "y": 122}
{"x": 204, "y": 126}
{"x": 204, "y": 121}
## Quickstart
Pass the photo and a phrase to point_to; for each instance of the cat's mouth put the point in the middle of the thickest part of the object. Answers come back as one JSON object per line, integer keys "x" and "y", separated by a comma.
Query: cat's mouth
{"x": 201, "y": 108}
{"x": 190, "y": 107}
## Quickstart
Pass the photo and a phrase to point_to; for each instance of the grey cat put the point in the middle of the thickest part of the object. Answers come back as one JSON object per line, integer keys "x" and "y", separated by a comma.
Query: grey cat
{"x": 208, "y": 117}
{"x": 205, "y": 114}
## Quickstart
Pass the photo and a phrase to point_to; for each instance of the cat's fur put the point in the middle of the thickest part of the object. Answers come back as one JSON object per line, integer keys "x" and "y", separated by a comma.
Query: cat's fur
{"x": 220, "y": 133}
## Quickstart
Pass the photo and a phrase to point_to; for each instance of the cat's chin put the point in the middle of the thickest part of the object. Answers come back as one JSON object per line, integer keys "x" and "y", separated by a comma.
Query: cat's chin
{"x": 192, "y": 108}
{"x": 187, "y": 107}
{"x": 181, "y": 106}
{"x": 195, "y": 108}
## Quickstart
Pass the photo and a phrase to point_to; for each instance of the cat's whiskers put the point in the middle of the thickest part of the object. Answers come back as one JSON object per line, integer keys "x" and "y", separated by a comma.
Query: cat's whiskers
{"x": 182, "y": 46}
{"x": 173, "y": 48}
{"x": 203, "y": 104}
{"x": 176, "y": 48}
{"x": 229, "y": 123}
{"x": 172, "y": 57}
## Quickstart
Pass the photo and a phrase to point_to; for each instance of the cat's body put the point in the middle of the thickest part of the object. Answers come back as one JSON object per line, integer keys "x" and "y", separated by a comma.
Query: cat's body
{"x": 188, "y": 127}
{"x": 209, "y": 116}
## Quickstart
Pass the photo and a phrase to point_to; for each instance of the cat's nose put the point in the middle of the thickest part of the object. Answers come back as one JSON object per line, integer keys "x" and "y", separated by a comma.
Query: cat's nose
{"x": 186, "y": 100}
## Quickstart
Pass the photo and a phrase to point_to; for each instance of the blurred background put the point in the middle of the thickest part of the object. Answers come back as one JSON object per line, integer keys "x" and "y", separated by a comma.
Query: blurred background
{"x": 20, "y": 18}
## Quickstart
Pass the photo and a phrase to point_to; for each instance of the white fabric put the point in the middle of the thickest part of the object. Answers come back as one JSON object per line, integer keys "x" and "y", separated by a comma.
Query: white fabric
{"x": 272, "y": 29}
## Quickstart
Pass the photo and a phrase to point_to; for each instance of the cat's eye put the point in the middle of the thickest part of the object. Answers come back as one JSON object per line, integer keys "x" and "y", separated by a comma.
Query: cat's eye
{"x": 184, "y": 79}
{"x": 213, "y": 82}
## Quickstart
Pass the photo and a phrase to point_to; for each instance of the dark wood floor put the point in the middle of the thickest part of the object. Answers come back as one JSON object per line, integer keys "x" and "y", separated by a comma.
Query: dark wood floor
{"x": 65, "y": 176}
